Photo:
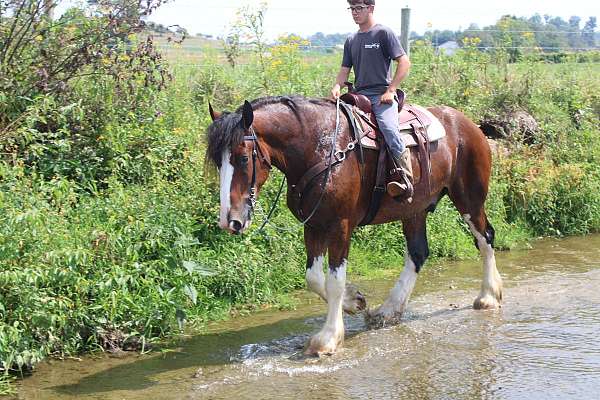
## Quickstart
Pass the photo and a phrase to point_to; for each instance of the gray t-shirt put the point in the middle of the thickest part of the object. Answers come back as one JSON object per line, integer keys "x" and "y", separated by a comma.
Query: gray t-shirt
{"x": 370, "y": 54}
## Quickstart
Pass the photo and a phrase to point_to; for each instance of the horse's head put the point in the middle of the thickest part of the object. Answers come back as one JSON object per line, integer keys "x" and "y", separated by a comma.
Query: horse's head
{"x": 236, "y": 149}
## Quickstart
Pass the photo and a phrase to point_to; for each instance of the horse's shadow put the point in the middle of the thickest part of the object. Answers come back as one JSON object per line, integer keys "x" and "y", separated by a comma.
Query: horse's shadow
{"x": 284, "y": 338}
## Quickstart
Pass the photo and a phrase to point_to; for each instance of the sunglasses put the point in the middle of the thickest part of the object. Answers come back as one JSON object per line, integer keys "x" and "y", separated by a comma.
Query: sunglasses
{"x": 357, "y": 8}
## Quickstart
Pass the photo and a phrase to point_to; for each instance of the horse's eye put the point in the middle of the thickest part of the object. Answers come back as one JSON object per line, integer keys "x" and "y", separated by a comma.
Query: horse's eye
{"x": 243, "y": 160}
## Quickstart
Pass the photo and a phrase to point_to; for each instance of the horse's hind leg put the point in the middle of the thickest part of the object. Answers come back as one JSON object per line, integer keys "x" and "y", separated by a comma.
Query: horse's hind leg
{"x": 316, "y": 247}
{"x": 417, "y": 251}
{"x": 490, "y": 295}
{"x": 468, "y": 195}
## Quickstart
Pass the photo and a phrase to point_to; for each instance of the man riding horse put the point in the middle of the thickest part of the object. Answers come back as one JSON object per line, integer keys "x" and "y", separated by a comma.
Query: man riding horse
{"x": 325, "y": 192}
{"x": 370, "y": 52}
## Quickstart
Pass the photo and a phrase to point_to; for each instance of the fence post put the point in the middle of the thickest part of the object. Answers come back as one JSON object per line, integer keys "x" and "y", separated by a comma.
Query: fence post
{"x": 405, "y": 30}
{"x": 48, "y": 7}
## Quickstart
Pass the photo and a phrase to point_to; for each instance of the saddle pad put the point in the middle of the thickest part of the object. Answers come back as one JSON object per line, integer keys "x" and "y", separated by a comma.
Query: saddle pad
{"x": 435, "y": 131}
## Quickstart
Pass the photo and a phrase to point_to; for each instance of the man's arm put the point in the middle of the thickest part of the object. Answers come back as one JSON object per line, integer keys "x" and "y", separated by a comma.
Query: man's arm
{"x": 401, "y": 72}
{"x": 342, "y": 77}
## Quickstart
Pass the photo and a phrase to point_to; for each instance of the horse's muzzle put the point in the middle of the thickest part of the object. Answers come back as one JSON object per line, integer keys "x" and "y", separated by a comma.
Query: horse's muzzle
{"x": 237, "y": 222}
{"x": 235, "y": 226}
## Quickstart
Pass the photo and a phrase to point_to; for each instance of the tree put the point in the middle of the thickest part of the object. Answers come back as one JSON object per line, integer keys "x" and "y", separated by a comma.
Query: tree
{"x": 43, "y": 65}
{"x": 48, "y": 8}
{"x": 588, "y": 35}
{"x": 438, "y": 37}
{"x": 536, "y": 20}
{"x": 574, "y": 35}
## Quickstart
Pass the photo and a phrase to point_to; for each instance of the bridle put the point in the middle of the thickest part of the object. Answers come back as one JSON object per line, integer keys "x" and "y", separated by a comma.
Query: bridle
{"x": 335, "y": 157}
{"x": 256, "y": 151}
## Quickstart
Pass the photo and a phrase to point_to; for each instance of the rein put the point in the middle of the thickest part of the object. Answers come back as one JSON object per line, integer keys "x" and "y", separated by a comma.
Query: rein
{"x": 312, "y": 172}
{"x": 335, "y": 157}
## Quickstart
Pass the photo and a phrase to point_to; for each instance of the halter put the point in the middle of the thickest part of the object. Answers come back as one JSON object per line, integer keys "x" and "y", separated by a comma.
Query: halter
{"x": 256, "y": 150}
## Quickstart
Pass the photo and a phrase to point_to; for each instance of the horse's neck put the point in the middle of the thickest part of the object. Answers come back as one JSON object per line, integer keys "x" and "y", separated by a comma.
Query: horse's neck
{"x": 291, "y": 144}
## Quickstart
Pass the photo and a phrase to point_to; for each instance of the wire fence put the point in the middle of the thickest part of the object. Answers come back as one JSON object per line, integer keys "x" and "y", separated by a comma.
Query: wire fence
{"x": 197, "y": 48}
{"x": 543, "y": 48}
{"x": 186, "y": 59}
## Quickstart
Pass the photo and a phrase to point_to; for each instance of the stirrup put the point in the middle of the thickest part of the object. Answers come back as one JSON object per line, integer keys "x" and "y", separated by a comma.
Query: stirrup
{"x": 400, "y": 189}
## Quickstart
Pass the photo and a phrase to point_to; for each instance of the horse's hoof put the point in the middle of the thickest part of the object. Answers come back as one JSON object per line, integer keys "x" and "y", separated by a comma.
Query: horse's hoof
{"x": 323, "y": 343}
{"x": 378, "y": 318}
{"x": 354, "y": 300}
{"x": 487, "y": 302}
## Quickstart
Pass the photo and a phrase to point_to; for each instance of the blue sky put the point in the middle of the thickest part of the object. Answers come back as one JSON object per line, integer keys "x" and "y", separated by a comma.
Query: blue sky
{"x": 330, "y": 16}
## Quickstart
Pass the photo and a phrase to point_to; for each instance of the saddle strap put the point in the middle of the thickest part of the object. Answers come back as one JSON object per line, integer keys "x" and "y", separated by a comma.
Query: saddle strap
{"x": 379, "y": 189}
{"x": 424, "y": 160}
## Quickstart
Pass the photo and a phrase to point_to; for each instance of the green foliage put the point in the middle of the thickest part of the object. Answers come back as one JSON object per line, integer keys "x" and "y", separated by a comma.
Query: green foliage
{"x": 86, "y": 268}
{"x": 64, "y": 83}
{"x": 553, "y": 199}
{"x": 6, "y": 388}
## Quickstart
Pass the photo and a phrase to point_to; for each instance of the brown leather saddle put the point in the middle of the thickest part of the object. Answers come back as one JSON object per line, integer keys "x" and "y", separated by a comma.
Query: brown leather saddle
{"x": 410, "y": 117}
{"x": 413, "y": 121}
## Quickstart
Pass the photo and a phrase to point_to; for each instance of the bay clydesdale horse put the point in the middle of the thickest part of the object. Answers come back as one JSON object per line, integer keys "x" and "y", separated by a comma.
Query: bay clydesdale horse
{"x": 291, "y": 134}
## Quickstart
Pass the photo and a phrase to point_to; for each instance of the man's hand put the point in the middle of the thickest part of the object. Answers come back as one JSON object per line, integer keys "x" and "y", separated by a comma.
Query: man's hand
{"x": 335, "y": 92}
{"x": 388, "y": 97}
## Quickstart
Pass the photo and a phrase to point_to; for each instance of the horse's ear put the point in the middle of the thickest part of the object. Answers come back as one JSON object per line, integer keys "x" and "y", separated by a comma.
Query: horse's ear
{"x": 213, "y": 114}
{"x": 247, "y": 115}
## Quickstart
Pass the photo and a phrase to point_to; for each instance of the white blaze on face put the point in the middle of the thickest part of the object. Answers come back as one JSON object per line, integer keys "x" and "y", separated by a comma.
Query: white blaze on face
{"x": 225, "y": 177}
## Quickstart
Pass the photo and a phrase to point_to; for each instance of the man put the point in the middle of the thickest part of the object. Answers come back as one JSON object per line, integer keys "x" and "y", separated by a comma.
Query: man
{"x": 370, "y": 52}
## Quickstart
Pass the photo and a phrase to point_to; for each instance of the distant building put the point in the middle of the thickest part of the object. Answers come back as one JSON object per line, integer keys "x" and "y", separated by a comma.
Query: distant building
{"x": 448, "y": 48}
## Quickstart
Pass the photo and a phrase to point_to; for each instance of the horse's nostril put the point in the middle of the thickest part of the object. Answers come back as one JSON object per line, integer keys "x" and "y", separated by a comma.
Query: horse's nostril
{"x": 235, "y": 225}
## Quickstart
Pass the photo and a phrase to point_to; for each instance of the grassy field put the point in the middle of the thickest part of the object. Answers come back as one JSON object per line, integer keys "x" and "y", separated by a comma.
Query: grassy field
{"x": 127, "y": 252}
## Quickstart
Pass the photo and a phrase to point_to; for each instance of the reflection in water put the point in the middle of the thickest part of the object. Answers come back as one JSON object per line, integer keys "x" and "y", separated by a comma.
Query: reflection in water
{"x": 542, "y": 344}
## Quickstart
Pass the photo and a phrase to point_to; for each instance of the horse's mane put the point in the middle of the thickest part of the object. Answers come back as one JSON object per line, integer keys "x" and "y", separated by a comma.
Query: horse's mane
{"x": 226, "y": 131}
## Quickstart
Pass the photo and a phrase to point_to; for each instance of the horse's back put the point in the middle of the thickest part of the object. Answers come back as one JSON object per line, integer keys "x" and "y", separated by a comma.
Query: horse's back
{"x": 458, "y": 123}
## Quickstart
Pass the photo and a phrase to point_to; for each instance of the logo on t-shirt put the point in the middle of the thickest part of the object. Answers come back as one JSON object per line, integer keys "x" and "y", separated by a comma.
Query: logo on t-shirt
{"x": 372, "y": 46}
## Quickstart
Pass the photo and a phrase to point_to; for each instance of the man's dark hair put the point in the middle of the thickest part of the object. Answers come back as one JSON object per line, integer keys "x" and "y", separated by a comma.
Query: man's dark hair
{"x": 367, "y": 2}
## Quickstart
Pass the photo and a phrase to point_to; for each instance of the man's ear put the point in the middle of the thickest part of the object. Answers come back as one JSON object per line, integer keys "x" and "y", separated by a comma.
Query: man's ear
{"x": 247, "y": 115}
{"x": 213, "y": 114}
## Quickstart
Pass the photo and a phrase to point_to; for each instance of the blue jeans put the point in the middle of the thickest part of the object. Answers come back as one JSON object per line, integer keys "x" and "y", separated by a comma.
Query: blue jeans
{"x": 387, "y": 118}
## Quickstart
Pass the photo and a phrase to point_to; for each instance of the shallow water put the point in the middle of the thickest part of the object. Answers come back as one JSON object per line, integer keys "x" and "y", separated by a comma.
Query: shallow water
{"x": 543, "y": 344}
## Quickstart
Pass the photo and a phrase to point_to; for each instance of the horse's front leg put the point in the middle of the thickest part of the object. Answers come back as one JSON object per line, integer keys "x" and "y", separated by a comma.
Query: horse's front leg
{"x": 417, "y": 251}
{"x": 331, "y": 335}
{"x": 316, "y": 247}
